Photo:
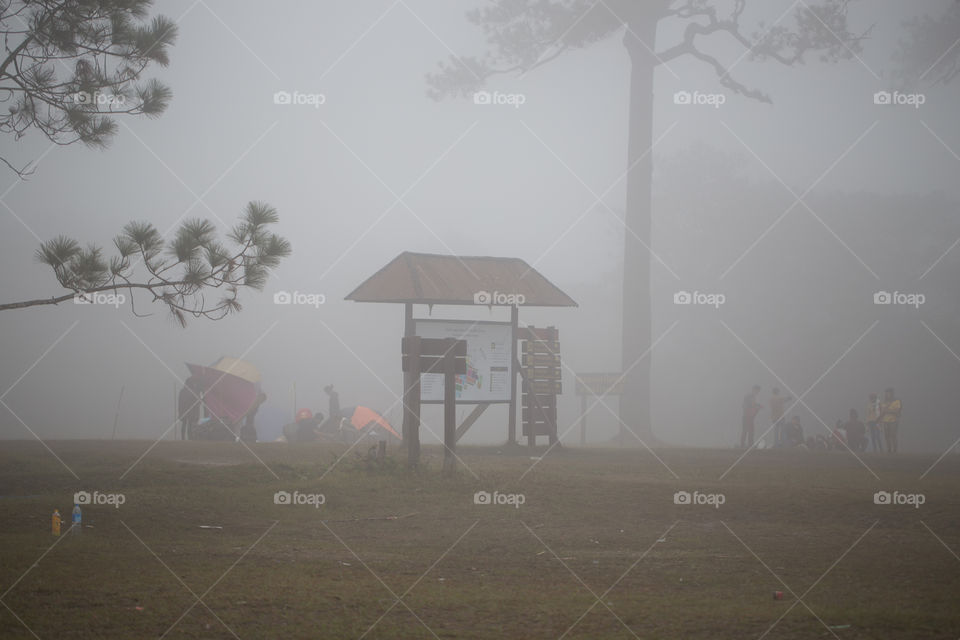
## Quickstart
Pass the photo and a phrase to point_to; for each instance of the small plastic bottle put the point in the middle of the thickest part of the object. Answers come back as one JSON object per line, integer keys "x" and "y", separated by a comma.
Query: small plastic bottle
{"x": 77, "y": 520}
{"x": 56, "y": 522}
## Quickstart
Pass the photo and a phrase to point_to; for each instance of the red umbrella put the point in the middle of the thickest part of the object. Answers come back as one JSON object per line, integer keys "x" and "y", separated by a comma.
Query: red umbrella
{"x": 225, "y": 395}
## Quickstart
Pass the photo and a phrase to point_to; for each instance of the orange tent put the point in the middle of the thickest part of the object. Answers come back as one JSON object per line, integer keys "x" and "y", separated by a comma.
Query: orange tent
{"x": 363, "y": 417}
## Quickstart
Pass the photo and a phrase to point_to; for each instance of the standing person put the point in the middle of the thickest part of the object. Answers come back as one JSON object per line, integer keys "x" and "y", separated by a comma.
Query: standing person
{"x": 750, "y": 410}
{"x": 890, "y": 419}
{"x": 873, "y": 424}
{"x": 777, "y": 409}
{"x": 332, "y": 423}
{"x": 188, "y": 406}
{"x": 248, "y": 432}
{"x": 839, "y": 439}
{"x": 856, "y": 432}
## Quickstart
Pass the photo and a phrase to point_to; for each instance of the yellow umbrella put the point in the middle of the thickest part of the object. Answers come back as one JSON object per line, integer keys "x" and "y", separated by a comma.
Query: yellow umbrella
{"x": 240, "y": 368}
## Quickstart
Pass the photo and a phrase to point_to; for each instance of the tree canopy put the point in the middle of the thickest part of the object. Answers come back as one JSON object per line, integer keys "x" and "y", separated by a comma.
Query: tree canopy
{"x": 69, "y": 66}
{"x": 526, "y": 34}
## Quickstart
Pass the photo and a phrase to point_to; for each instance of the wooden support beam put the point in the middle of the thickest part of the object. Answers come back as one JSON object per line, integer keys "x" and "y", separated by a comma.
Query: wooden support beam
{"x": 470, "y": 419}
{"x": 430, "y": 355}
{"x": 408, "y": 330}
{"x": 528, "y": 388}
{"x": 512, "y": 419}
{"x": 583, "y": 420}
{"x": 450, "y": 370}
{"x": 411, "y": 405}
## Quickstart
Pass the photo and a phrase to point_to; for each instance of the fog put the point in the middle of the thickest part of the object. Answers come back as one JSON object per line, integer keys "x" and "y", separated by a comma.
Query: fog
{"x": 380, "y": 168}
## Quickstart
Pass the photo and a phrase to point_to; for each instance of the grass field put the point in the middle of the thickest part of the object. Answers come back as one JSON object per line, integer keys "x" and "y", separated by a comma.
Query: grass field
{"x": 598, "y": 549}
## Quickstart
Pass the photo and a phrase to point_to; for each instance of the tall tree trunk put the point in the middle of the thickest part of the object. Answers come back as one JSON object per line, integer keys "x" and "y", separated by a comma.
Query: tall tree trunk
{"x": 637, "y": 322}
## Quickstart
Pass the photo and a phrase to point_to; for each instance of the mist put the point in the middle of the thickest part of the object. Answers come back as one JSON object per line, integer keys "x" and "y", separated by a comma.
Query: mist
{"x": 512, "y": 181}
{"x": 714, "y": 203}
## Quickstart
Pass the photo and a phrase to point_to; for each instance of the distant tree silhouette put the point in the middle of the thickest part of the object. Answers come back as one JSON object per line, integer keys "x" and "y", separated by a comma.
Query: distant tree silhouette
{"x": 931, "y": 51}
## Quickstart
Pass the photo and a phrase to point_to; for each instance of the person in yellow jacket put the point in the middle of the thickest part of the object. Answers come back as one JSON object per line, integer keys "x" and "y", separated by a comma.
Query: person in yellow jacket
{"x": 890, "y": 419}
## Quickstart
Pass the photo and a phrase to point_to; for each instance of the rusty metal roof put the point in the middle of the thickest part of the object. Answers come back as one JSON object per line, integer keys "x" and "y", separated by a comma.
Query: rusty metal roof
{"x": 426, "y": 278}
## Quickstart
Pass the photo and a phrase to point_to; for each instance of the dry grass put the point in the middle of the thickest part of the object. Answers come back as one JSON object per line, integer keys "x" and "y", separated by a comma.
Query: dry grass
{"x": 581, "y": 557}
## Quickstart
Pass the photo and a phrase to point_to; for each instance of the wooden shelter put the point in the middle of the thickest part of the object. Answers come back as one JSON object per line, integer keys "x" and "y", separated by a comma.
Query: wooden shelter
{"x": 431, "y": 279}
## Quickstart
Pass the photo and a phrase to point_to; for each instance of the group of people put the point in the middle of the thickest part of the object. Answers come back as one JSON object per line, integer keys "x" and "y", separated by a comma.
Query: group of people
{"x": 197, "y": 422}
{"x": 309, "y": 426}
{"x": 879, "y": 433}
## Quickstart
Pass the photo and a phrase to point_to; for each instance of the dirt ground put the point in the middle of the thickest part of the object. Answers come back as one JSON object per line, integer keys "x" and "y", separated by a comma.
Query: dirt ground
{"x": 581, "y": 543}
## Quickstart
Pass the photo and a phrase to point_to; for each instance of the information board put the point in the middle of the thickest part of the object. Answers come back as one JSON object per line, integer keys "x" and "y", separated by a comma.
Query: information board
{"x": 598, "y": 384}
{"x": 489, "y": 360}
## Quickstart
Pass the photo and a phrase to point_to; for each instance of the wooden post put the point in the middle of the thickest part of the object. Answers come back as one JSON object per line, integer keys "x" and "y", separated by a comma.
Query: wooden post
{"x": 554, "y": 431}
{"x": 449, "y": 407}
{"x": 531, "y": 432}
{"x": 381, "y": 451}
{"x": 408, "y": 330}
{"x": 447, "y": 356}
{"x": 512, "y": 421}
{"x": 583, "y": 420}
{"x": 554, "y": 435}
{"x": 411, "y": 404}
